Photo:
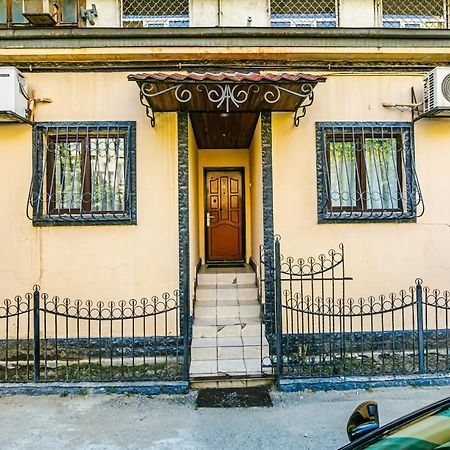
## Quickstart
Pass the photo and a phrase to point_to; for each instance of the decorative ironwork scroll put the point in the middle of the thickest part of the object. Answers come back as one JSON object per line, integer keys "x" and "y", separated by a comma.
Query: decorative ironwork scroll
{"x": 301, "y": 111}
{"x": 226, "y": 93}
{"x": 148, "y": 109}
{"x": 227, "y": 96}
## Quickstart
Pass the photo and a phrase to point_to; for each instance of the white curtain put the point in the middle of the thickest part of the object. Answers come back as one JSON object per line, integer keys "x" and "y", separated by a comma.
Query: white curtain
{"x": 343, "y": 192}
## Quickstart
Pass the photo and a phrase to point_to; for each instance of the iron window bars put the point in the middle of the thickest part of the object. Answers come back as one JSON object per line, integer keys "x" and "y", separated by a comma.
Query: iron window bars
{"x": 366, "y": 171}
{"x": 155, "y": 13}
{"x": 413, "y": 13}
{"x": 84, "y": 173}
{"x": 304, "y": 14}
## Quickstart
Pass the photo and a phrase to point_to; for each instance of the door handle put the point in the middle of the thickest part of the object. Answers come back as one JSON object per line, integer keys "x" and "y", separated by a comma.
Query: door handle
{"x": 208, "y": 219}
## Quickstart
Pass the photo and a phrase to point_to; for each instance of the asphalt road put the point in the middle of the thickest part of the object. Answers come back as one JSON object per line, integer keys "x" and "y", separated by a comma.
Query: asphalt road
{"x": 296, "y": 421}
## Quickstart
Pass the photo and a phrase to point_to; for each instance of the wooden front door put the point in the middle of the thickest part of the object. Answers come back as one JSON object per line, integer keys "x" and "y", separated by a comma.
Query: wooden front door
{"x": 224, "y": 215}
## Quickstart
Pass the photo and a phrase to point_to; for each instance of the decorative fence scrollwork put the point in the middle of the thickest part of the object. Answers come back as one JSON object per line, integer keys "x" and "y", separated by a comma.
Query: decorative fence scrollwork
{"x": 48, "y": 338}
{"x": 320, "y": 332}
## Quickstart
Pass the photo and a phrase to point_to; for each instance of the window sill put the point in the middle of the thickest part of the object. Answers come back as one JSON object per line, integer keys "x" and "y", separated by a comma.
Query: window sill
{"x": 346, "y": 217}
{"x": 83, "y": 221}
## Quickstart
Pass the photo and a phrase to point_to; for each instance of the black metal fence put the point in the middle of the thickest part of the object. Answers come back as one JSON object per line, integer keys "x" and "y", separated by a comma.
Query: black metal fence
{"x": 320, "y": 332}
{"x": 45, "y": 339}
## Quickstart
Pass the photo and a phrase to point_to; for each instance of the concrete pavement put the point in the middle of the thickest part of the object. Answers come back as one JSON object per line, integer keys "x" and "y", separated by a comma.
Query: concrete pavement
{"x": 304, "y": 420}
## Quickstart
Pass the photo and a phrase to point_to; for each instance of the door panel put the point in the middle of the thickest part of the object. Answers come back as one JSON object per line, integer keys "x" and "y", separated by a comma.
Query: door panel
{"x": 224, "y": 207}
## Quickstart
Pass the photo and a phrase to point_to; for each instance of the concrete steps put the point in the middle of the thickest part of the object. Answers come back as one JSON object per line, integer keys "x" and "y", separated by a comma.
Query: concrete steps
{"x": 228, "y": 338}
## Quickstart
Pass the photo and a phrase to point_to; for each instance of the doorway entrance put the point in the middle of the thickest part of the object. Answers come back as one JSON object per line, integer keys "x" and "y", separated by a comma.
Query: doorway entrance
{"x": 224, "y": 215}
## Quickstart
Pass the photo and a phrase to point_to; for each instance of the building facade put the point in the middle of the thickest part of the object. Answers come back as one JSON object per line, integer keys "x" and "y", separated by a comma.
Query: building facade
{"x": 167, "y": 133}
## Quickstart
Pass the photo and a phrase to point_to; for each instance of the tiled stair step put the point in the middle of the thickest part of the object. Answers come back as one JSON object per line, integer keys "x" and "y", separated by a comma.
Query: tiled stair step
{"x": 231, "y": 367}
{"x": 227, "y": 311}
{"x": 227, "y": 326}
{"x": 238, "y": 352}
{"x": 229, "y": 347}
{"x": 227, "y": 331}
{"x": 226, "y": 279}
{"x": 233, "y": 327}
{"x": 228, "y": 341}
{"x": 227, "y": 321}
{"x": 230, "y": 292}
{"x": 229, "y": 382}
{"x": 214, "y": 303}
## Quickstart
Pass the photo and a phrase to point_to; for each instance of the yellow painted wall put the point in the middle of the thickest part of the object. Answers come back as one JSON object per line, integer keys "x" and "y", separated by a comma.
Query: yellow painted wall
{"x": 193, "y": 207}
{"x": 224, "y": 158}
{"x": 98, "y": 262}
{"x": 380, "y": 256}
{"x": 256, "y": 193}
{"x": 142, "y": 260}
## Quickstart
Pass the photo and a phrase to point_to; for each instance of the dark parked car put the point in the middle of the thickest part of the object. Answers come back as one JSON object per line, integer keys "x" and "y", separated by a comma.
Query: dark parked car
{"x": 424, "y": 429}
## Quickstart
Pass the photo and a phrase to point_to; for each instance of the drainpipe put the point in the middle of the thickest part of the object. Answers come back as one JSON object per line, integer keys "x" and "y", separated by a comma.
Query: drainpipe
{"x": 219, "y": 13}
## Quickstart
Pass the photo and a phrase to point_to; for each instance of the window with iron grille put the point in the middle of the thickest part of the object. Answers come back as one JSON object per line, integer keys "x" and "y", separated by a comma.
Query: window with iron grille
{"x": 413, "y": 13}
{"x": 366, "y": 171}
{"x": 306, "y": 13}
{"x": 155, "y": 13}
{"x": 84, "y": 173}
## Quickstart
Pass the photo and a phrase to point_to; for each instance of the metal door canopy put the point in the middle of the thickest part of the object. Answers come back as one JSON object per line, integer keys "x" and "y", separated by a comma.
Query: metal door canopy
{"x": 219, "y": 94}
{"x": 226, "y": 92}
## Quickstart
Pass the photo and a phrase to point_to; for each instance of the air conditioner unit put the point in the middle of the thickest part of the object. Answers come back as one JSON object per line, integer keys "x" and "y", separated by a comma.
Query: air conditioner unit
{"x": 13, "y": 95}
{"x": 436, "y": 91}
{"x": 40, "y": 12}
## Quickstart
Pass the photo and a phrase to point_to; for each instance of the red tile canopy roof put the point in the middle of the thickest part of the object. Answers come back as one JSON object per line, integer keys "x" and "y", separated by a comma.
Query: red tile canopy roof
{"x": 223, "y": 76}
{"x": 223, "y": 92}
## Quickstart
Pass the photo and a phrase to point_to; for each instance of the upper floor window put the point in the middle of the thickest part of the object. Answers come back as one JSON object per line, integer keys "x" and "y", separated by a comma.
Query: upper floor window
{"x": 413, "y": 13}
{"x": 84, "y": 173}
{"x": 63, "y": 12}
{"x": 155, "y": 13}
{"x": 366, "y": 171}
{"x": 307, "y": 13}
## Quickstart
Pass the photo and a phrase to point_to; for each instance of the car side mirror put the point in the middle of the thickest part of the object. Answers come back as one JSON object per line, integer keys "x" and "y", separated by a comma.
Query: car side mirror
{"x": 363, "y": 420}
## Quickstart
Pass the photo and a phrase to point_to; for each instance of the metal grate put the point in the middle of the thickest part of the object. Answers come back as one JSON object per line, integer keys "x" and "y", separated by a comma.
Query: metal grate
{"x": 413, "y": 13}
{"x": 155, "y": 13}
{"x": 366, "y": 171}
{"x": 305, "y": 14}
{"x": 83, "y": 172}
